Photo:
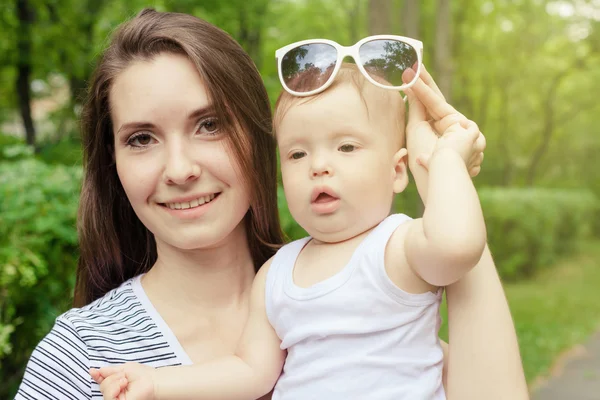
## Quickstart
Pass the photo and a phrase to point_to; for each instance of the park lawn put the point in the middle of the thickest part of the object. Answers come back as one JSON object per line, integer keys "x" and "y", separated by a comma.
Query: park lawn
{"x": 555, "y": 310}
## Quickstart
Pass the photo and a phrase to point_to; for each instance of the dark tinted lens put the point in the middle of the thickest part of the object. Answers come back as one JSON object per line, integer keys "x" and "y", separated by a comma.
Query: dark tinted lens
{"x": 308, "y": 67}
{"x": 386, "y": 60}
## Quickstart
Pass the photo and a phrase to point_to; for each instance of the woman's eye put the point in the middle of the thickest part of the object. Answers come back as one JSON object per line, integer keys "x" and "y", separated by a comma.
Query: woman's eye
{"x": 347, "y": 148}
{"x": 209, "y": 126}
{"x": 297, "y": 155}
{"x": 140, "y": 140}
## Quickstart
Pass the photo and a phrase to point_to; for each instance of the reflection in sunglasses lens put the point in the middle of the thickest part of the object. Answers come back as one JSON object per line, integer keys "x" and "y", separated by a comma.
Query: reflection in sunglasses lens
{"x": 386, "y": 60}
{"x": 308, "y": 67}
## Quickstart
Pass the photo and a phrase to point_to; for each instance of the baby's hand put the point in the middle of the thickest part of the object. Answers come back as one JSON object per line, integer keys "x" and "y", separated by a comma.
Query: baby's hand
{"x": 131, "y": 381}
{"x": 460, "y": 138}
{"x": 429, "y": 117}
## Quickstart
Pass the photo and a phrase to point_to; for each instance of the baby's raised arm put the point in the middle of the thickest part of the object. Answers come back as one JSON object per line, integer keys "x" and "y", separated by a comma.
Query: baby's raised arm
{"x": 247, "y": 375}
{"x": 450, "y": 238}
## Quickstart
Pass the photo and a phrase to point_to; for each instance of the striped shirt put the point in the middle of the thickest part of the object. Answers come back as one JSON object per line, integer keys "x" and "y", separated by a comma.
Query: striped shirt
{"x": 120, "y": 327}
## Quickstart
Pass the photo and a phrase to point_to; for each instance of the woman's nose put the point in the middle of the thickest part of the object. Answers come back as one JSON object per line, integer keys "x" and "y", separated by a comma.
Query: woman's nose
{"x": 180, "y": 167}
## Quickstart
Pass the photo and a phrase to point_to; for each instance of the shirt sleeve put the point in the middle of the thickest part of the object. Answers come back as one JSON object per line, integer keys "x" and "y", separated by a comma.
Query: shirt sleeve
{"x": 58, "y": 367}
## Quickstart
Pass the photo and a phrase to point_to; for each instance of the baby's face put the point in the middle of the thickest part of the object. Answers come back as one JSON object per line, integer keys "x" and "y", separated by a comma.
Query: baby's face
{"x": 337, "y": 161}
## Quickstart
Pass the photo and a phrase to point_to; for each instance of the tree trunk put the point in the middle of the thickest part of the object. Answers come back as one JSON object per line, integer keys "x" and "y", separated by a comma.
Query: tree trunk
{"x": 505, "y": 137}
{"x": 22, "y": 83}
{"x": 410, "y": 19}
{"x": 443, "y": 48}
{"x": 547, "y": 129}
{"x": 78, "y": 84}
{"x": 250, "y": 33}
{"x": 379, "y": 17}
{"x": 353, "y": 23}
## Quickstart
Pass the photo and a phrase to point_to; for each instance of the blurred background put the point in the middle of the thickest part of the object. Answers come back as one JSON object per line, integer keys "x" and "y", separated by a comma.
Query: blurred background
{"x": 527, "y": 71}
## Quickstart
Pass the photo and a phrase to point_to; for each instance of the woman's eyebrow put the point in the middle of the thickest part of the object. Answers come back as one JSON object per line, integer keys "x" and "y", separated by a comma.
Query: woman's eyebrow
{"x": 208, "y": 109}
{"x": 136, "y": 125}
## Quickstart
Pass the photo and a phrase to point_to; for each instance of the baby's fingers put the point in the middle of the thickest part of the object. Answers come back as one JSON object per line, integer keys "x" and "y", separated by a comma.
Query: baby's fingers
{"x": 473, "y": 133}
{"x": 96, "y": 375}
{"x": 112, "y": 386}
{"x": 480, "y": 143}
{"x": 110, "y": 370}
{"x": 445, "y": 123}
{"x": 473, "y": 172}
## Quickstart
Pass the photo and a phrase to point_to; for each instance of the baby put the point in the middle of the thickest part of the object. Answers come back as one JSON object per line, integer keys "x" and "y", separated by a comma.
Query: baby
{"x": 352, "y": 311}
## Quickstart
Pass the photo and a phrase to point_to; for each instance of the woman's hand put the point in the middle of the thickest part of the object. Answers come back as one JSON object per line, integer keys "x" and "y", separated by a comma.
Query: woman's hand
{"x": 130, "y": 381}
{"x": 429, "y": 117}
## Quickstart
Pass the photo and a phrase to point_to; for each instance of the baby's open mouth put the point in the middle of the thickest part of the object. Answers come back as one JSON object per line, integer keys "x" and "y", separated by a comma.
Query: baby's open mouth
{"x": 324, "y": 198}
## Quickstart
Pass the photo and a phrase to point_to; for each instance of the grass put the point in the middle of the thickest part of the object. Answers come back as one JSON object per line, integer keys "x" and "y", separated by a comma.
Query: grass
{"x": 556, "y": 310}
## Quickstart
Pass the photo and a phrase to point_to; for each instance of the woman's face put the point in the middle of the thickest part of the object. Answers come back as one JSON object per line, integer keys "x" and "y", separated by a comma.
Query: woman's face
{"x": 172, "y": 156}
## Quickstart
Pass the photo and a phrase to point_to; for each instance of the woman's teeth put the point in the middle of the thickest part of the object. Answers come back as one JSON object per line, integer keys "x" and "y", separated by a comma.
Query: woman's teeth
{"x": 191, "y": 204}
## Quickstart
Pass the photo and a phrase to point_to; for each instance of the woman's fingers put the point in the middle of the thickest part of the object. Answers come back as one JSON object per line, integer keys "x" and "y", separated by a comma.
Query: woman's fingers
{"x": 427, "y": 78}
{"x": 436, "y": 106}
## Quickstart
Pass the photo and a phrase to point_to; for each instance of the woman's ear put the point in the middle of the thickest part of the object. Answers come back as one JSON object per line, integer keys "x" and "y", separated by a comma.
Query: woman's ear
{"x": 400, "y": 170}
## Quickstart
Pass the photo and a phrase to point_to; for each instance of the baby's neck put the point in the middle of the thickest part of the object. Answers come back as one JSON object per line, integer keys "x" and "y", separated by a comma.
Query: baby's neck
{"x": 318, "y": 240}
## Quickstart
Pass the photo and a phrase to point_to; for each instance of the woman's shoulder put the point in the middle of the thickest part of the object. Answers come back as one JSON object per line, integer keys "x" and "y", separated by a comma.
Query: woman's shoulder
{"x": 59, "y": 365}
{"x": 113, "y": 306}
{"x": 95, "y": 335}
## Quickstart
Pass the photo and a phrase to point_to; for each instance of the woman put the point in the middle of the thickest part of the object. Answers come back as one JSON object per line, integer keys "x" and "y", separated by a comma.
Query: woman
{"x": 178, "y": 209}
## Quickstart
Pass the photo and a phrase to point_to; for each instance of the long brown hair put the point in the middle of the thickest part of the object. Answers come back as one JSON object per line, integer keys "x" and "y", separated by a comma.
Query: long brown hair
{"x": 114, "y": 244}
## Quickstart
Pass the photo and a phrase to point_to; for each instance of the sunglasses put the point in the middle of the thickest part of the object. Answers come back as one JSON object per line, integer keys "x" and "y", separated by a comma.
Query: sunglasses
{"x": 310, "y": 66}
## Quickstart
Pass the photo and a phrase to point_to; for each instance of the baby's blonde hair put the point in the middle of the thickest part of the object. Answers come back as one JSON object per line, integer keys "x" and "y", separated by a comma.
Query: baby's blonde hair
{"x": 369, "y": 93}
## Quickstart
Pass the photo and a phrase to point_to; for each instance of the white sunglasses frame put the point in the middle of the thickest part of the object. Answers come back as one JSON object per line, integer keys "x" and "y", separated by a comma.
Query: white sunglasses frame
{"x": 353, "y": 51}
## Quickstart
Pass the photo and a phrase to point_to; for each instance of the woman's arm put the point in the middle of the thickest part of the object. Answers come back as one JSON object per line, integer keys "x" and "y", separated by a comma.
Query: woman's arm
{"x": 484, "y": 360}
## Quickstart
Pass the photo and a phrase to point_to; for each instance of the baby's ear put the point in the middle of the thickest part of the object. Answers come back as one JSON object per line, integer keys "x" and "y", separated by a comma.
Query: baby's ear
{"x": 400, "y": 170}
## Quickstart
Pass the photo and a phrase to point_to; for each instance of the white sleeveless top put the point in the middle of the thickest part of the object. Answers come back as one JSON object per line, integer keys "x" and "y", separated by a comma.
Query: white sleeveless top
{"x": 355, "y": 335}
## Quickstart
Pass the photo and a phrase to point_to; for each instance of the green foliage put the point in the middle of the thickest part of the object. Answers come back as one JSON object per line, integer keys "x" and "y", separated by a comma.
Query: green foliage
{"x": 529, "y": 228}
{"x": 38, "y": 253}
{"x": 12, "y": 148}
{"x": 65, "y": 150}
{"x": 290, "y": 227}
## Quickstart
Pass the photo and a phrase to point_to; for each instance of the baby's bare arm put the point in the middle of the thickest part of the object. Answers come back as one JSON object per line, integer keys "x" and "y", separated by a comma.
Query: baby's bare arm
{"x": 249, "y": 374}
{"x": 449, "y": 240}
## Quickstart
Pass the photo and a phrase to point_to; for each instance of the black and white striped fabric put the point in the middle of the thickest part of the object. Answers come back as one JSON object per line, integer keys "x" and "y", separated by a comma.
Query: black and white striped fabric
{"x": 120, "y": 327}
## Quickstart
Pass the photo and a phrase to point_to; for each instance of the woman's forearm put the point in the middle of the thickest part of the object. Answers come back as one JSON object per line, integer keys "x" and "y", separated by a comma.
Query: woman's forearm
{"x": 484, "y": 360}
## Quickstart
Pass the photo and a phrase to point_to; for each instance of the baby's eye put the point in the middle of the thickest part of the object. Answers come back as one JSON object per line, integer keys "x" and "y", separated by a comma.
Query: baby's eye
{"x": 347, "y": 148}
{"x": 297, "y": 155}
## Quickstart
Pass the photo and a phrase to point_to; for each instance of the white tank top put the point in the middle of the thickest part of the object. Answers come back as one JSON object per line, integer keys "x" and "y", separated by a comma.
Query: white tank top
{"x": 355, "y": 335}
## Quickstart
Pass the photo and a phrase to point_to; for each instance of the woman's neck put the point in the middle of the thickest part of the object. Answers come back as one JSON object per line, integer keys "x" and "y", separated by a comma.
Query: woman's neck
{"x": 211, "y": 279}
